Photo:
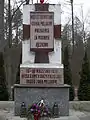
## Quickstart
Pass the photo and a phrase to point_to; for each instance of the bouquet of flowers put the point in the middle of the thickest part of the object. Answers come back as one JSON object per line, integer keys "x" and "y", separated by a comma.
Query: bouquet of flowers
{"x": 39, "y": 110}
{"x": 43, "y": 109}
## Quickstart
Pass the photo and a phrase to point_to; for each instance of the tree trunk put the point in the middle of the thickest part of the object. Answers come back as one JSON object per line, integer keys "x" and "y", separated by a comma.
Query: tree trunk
{"x": 10, "y": 25}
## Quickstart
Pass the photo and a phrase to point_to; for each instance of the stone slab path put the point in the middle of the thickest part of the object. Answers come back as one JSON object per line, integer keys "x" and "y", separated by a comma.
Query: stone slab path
{"x": 74, "y": 115}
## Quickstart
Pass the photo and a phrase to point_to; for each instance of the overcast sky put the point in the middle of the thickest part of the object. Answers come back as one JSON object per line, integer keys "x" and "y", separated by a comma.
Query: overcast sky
{"x": 80, "y": 6}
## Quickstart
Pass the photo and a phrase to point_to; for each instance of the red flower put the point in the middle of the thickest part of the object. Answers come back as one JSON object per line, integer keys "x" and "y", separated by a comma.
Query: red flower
{"x": 36, "y": 115}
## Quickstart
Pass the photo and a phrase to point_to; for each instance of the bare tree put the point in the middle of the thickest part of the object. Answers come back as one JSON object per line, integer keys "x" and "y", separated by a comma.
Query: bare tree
{"x": 12, "y": 52}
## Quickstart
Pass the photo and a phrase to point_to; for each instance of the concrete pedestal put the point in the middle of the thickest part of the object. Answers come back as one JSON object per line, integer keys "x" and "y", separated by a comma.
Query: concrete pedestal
{"x": 29, "y": 95}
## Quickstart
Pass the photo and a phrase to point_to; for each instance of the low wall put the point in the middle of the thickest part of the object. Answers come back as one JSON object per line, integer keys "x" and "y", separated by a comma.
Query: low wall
{"x": 80, "y": 105}
{"x": 76, "y": 105}
{"x": 7, "y": 105}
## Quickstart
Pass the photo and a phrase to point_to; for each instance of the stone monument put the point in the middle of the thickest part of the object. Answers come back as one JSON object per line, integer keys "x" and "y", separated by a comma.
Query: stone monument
{"x": 41, "y": 71}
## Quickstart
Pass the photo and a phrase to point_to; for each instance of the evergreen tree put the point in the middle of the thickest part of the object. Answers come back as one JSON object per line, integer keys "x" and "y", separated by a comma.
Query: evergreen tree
{"x": 84, "y": 86}
{"x": 18, "y": 75}
{"x": 67, "y": 73}
{"x": 18, "y": 72}
{"x": 4, "y": 95}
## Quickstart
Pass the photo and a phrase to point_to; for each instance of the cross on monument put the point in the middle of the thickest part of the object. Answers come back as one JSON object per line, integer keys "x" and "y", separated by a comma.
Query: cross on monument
{"x": 41, "y": 1}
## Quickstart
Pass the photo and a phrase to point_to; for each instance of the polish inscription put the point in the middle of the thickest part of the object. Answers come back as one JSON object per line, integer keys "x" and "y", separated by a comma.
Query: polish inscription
{"x": 41, "y": 76}
{"x": 41, "y": 30}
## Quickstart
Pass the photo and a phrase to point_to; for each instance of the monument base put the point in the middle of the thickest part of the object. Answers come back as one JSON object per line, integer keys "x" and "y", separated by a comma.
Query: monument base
{"x": 29, "y": 95}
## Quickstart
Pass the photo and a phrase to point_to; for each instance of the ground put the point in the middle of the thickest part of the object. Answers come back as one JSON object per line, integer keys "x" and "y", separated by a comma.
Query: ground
{"x": 74, "y": 115}
{"x": 7, "y": 111}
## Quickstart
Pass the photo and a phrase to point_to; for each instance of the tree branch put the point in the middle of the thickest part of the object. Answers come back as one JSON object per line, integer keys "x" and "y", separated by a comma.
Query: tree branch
{"x": 16, "y": 10}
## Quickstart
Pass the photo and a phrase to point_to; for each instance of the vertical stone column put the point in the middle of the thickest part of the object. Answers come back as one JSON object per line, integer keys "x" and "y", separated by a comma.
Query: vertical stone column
{"x": 41, "y": 56}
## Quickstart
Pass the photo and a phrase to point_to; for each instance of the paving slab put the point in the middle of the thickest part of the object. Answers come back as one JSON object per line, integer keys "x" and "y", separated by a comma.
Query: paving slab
{"x": 74, "y": 115}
